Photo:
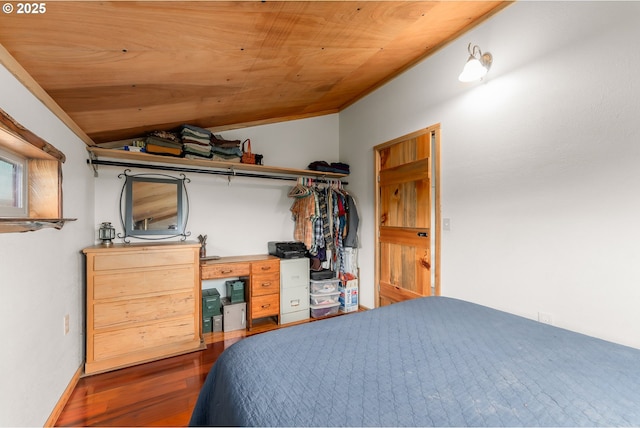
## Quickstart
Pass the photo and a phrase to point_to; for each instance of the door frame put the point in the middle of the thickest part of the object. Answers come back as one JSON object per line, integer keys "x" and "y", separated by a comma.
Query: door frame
{"x": 436, "y": 225}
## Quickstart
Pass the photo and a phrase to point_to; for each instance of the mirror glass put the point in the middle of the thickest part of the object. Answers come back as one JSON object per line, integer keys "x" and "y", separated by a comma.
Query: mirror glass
{"x": 154, "y": 206}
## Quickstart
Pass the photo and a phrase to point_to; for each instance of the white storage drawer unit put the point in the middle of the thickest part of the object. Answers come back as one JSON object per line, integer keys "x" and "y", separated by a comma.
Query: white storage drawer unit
{"x": 294, "y": 290}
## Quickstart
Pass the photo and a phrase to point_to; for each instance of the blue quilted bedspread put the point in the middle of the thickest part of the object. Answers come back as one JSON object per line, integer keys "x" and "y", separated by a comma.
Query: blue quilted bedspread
{"x": 428, "y": 362}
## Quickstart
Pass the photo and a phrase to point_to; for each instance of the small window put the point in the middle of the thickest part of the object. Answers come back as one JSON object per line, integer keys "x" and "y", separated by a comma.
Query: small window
{"x": 30, "y": 180}
{"x": 13, "y": 185}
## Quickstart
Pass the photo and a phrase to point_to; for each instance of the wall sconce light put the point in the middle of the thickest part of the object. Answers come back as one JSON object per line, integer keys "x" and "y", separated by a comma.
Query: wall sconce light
{"x": 106, "y": 233}
{"x": 477, "y": 65}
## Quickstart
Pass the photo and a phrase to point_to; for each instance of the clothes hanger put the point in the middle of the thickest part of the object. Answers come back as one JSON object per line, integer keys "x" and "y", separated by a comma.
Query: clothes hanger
{"x": 299, "y": 190}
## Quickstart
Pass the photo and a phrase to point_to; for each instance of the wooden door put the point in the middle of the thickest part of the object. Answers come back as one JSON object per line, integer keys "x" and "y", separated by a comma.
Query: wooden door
{"x": 407, "y": 206}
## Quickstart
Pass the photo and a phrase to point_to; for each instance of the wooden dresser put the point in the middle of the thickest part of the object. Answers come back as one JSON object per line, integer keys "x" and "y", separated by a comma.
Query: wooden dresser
{"x": 262, "y": 292}
{"x": 143, "y": 303}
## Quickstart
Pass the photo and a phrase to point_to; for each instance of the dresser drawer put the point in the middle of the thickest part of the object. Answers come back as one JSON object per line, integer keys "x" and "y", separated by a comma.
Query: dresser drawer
{"x": 142, "y": 337}
{"x": 267, "y": 283}
{"x": 266, "y": 266}
{"x": 265, "y": 306}
{"x": 121, "y": 313}
{"x": 142, "y": 259}
{"x": 127, "y": 284}
{"x": 224, "y": 270}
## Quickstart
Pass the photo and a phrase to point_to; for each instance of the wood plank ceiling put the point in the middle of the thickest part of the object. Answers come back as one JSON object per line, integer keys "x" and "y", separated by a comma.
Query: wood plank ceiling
{"x": 121, "y": 68}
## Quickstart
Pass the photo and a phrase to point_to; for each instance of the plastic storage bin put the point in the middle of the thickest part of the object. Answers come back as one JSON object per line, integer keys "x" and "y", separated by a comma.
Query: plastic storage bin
{"x": 321, "y": 311}
{"x": 325, "y": 286}
{"x": 324, "y": 298}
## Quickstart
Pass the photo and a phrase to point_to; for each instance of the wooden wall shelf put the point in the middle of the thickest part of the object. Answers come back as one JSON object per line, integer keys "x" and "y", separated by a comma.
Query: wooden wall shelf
{"x": 205, "y": 164}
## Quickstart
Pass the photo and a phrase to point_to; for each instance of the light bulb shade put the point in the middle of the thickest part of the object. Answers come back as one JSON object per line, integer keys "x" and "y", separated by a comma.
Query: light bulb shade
{"x": 106, "y": 233}
{"x": 473, "y": 70}
{"x": 477, "y": 65}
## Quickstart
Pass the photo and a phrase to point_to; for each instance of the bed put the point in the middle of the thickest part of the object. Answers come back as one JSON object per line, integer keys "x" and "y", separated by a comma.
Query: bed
{"x": 433, "y": 361}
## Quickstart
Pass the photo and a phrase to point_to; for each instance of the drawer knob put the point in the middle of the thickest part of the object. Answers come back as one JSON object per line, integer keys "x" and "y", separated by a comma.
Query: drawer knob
{"x": 266, "y": 284}
{"x": 266, "y": 267}
{"x": 265, "y": 306}
{"x": 226, "y": 271}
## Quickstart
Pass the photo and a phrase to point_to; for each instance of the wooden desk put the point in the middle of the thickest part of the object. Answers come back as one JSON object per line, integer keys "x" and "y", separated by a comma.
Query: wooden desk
{"x": 262, "y": 286}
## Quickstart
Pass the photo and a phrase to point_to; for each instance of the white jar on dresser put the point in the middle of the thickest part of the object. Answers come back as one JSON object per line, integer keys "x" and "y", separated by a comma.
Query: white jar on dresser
{"x": 294, "y": 290}
{"x": 143, "y": 303}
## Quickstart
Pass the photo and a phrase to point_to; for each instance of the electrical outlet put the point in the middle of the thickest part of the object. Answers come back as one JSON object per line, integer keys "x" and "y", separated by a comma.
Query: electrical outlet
{"x": 66, "y": 324}
{"x": 446, "y": 224}
{"x": 545, "y": 318}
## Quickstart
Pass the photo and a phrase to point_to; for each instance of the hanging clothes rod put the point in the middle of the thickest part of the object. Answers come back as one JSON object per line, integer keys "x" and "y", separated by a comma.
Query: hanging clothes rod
{"x": 229, "y": 173}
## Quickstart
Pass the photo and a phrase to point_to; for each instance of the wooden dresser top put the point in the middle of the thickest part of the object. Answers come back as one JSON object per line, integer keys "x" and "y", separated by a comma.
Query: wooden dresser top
{"x": 238, "y": 259}
{"x": 136, "y": 246}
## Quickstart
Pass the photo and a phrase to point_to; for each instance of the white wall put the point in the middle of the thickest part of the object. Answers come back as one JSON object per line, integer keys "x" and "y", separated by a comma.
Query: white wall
{"x": 540, "y": 163}
{"x": 42, "y": 279}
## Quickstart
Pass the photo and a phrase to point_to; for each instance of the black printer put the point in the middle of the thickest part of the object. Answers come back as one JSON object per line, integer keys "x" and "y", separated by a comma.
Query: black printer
{"x": 287, "y": 250}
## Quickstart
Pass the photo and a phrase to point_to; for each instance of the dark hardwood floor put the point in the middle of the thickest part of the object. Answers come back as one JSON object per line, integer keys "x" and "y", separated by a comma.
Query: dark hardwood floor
{"x": 160, "y": 393}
